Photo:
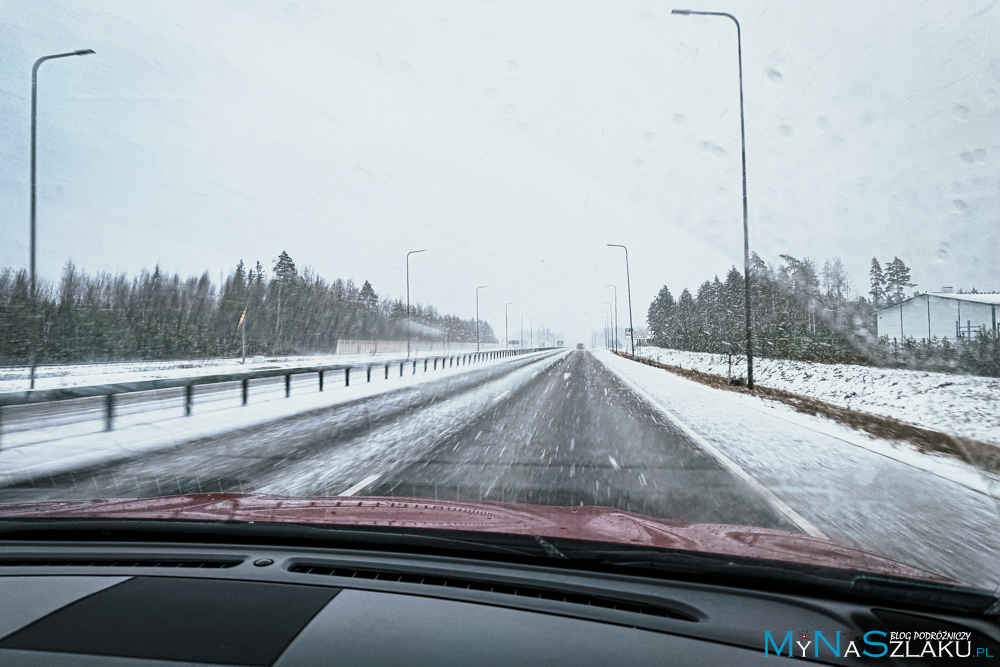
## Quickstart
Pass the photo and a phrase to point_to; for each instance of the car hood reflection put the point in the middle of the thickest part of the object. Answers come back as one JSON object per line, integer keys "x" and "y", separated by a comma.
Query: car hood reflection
{"x": 599, "y": 524}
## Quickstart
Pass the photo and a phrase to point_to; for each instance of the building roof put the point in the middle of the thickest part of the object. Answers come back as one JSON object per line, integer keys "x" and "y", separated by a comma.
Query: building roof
{"x": 992, "y": 298}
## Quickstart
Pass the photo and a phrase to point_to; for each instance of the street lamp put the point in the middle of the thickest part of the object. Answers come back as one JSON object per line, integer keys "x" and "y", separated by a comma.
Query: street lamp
{"x": 615, "y": 288}
{"x": 628, "y": 283}
{"x": 743, "y": 145}
{"x": 522, "y": 331}
{"x": 612, "y": 316}
{"x": 477, "y": 316}
{"x": 34, "y": 114}
{"x": 531, "y": 332}
{"x": 506, "y": 324}
{"x": 412, "y": 252}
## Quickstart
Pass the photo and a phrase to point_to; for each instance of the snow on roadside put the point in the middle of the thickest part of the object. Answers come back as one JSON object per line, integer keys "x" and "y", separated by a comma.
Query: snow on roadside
{"x": 961, "y": 405}
{"x": 78, "y": 375}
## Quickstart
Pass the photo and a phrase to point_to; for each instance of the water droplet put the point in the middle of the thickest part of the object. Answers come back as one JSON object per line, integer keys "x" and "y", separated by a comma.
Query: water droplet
{"x": 961, "y": 113}
{"x": 404, "y": 66}
{"x": 512, "y": 66}
{"x": 943, "y": 251}
{"x": 648, "y": 137}
{"x": 679, "y": 119}
{"x": 773, "y": 75}
{"x": 785, "y": 130}
{"x": 638, "y": 163}
{"x": 960, "y": 205}
{"x": 977, "y": 155}
{"x": 709, "y": 147}
{"x": 822, "y": 122}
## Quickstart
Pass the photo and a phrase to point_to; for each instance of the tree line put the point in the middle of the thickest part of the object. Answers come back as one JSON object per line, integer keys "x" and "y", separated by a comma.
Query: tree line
{"x": 799, "y": 312}
{"x": 156, "y": 315}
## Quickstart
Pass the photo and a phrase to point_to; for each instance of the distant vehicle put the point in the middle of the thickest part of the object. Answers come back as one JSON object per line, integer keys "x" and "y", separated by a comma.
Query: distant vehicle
{"x": 579, "y": 346}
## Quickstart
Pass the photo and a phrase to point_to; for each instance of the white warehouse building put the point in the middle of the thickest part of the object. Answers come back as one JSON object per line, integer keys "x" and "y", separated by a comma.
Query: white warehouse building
{"x": 939, "y": 315}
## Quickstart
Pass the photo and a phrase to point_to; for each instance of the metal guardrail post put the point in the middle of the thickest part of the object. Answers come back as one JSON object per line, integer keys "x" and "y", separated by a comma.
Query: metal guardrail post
{"x": 425, "y": 364}
{"x": 321, "y": 380}
{"x": 246, "y": 390}
{"x": 109, "y": 411}
{"x": 188, "y": 399}
{"x": 288, "y": 386}
{"x": 369, "y": 369}
{"x": 414, "y": 367}
{"x": 347, "y": 377}
{"x": 401, "y": 368}
{"x": 387, "y": 371}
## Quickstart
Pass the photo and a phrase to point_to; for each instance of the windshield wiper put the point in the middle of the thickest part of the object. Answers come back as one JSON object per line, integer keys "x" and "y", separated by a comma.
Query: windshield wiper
{"x": 790, "y": 576}
{"x": 283, "y": 534}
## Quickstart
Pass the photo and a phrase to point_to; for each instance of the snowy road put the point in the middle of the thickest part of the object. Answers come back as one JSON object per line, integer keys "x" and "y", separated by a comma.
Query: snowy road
{"x": 576, "y": 427}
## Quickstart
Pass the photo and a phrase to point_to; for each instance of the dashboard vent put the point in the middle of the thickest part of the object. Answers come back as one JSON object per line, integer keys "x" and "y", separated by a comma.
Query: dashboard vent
{"x": 504, "y": 589}
{"x": 118, "y": 562}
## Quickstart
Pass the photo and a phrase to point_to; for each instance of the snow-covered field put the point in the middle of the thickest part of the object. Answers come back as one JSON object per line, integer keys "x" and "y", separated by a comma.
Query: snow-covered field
{"x": 961, "y": 405}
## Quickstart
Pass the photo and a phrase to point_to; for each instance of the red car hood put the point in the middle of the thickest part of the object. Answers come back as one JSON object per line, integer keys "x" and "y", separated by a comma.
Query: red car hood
{"x": 599, "y": 524}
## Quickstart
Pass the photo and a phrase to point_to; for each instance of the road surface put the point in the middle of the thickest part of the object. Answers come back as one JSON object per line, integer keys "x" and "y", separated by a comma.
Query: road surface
{"x": 564, "y": 428}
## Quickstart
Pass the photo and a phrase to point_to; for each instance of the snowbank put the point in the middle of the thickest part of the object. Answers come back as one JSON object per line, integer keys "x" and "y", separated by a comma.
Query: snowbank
{"x": 961, "y": 405}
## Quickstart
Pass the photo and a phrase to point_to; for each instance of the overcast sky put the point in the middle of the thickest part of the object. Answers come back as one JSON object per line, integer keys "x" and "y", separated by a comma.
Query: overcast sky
{"x": 513, "y": 140}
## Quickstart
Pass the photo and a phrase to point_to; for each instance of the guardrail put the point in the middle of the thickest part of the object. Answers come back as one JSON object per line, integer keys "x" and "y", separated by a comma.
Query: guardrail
{"x": 110, "y": 391}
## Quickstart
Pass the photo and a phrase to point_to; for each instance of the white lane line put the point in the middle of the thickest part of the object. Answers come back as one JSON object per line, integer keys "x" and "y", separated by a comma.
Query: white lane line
{"x": 614, "y": 464}
{"x": 360, "y": 485}
{"x": 502, "y": 396}
{"x": 776, "y": 502}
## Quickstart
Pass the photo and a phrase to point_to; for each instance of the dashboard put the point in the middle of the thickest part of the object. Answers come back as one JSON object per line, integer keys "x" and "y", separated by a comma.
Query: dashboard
{"x": 95, "y": 603}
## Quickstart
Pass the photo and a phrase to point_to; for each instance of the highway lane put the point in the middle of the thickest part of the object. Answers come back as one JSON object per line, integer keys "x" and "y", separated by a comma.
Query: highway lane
{"x": 558, "y": 430}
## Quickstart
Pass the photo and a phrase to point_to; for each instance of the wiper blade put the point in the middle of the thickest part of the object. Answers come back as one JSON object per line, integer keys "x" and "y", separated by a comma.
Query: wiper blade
{"x": 803, "y": 577}
{"x": 280, "y": 533}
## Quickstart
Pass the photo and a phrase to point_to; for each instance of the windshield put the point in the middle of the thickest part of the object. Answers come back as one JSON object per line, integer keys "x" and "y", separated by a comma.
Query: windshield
{"x": 734, "y": 264}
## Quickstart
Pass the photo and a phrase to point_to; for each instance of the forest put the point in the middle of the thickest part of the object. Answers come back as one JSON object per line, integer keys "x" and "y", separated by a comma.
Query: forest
{"x": 157, "y": 315}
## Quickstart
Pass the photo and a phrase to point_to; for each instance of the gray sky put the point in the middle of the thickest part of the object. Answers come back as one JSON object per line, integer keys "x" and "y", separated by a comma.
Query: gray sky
{"x": 513, "y": 140}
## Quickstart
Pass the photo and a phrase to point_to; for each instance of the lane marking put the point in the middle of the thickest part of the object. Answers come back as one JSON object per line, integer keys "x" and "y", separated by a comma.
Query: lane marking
{"x": 502, "y": 396}
{"x": 777, "y": 503}
{"x": 614, "y": 464}
{"x": 360, "y": 485}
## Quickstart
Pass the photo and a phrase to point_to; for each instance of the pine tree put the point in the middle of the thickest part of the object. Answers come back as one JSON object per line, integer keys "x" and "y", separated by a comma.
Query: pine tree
{"x": 284, "y": 269}
{"x": 877, "y": 280}
{"x": 660, "y": 318}
{"x": 369, "y": 299}
{"x": 897, "y": 280}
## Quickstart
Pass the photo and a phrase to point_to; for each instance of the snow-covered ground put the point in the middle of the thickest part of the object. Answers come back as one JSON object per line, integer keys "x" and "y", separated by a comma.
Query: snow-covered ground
{"x": 961, "y": 405}
{"x": 75, "y": 375}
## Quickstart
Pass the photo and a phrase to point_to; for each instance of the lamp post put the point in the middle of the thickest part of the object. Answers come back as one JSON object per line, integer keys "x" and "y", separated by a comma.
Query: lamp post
{"x": 531, "y": 332}
{"x": 628, "y": 283}
{"x": 506, "y": 324}
{"x": 412, "y": 252}
{"x": 611, "y": 314}
{"x": 743, "y": 146}
{"x": 522, "y": 331}
{"x": 615, "y": 288}
{"x": 477, "y": 316}
{"x": 34, "y": 115}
